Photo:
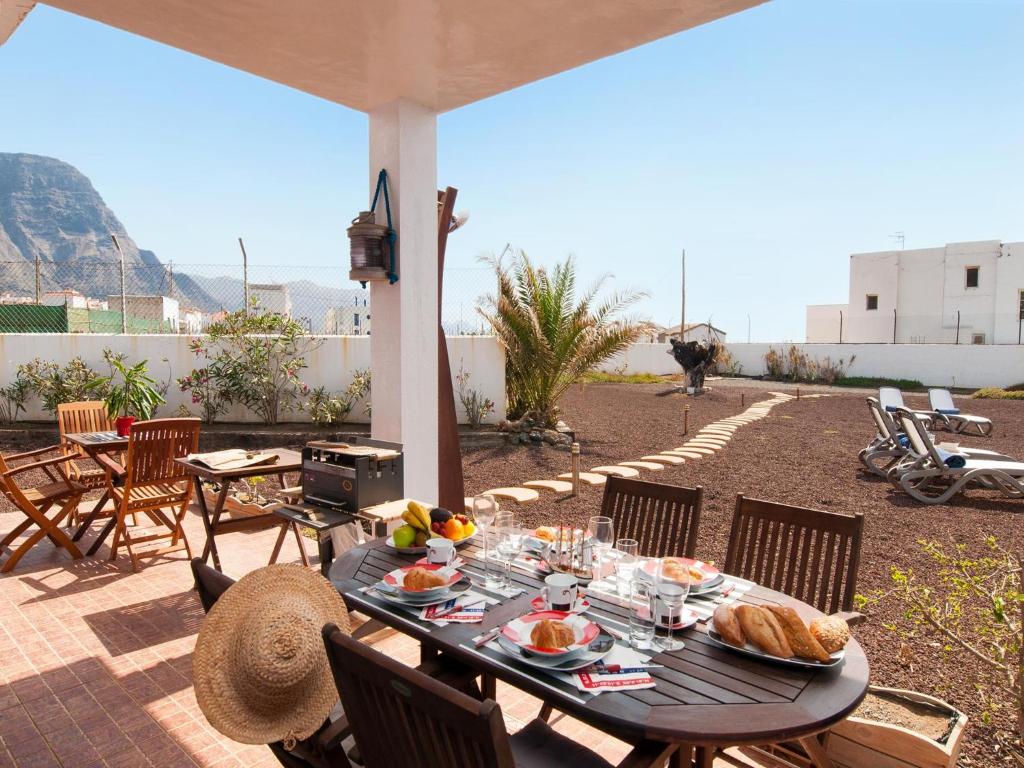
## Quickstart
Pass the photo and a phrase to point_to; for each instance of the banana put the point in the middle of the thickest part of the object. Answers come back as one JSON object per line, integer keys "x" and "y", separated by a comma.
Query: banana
{"x": 413, "y": 519}
{"x": 422, "y": 512}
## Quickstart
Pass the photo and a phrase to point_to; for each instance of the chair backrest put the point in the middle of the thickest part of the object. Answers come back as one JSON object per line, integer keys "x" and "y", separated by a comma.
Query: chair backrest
{"x": 662, "y": 518}
{"x": 154, "y": 445}
{"x": 890, "y": 398}
{"x": 401, "y": 718}
{"x": 83, "y": 416}
{"x": 809, "y": 554}
{"x": 210, "y": 583}
{"x": 883, "y": 421}
{"x": 940, "y": 400}
{"x": 921, "y": 443}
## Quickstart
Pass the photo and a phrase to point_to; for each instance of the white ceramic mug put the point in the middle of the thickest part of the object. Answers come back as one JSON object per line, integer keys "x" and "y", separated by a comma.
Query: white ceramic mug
{"x": 440, "y": 551}
{"x": 559, "y": 592}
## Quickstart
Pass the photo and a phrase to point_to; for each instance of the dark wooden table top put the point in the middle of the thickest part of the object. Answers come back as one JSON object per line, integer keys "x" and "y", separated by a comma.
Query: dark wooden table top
{"x": 287, "y": 461}
{"x": 98, "y": 442}
{"x": 704, "y": 694}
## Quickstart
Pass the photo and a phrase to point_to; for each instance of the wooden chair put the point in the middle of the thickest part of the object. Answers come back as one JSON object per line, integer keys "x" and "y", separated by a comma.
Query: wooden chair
{"x": 809, "y": 554}
{"x": 403, "y": 718}
{"x": 662, "y": 518}
{"x": 83, "y": 416}
{"x": 153, "y": 481}
{"x": 36, "y": 502}
{"x": 323, "y": 749}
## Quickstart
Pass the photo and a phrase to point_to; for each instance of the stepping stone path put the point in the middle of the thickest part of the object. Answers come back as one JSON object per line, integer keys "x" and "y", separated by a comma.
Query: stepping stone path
{"x": 710, "y": 439}
{"x": 555, "y": 486}
{"x": 615, "y": 469}
{"x": 519, "y": 495}
{"x": 651, "y": 465}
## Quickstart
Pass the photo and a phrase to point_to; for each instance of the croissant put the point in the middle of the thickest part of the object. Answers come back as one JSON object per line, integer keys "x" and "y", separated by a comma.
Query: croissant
{"x": 551, "y": 634}
{"x": 421, "y": 578}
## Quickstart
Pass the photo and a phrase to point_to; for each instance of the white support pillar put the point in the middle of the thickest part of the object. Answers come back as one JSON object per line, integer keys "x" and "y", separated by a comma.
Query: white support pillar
{"x": 403, "y": 357}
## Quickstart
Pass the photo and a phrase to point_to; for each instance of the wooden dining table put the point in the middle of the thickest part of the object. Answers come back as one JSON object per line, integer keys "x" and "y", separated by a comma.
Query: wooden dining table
{"x": 705, "y": 696}
{"x": 99, "y": 446}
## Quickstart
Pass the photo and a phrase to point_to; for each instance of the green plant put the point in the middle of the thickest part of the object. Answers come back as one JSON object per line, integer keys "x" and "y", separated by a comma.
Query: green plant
{"x": 994, "y": 393}
{"x": 326, "y": 409}
{"x": 252, "y": 493}
{"x": 600, "y": 377}
{"x": 551, "y": 336}
{"x": 725, "y": 363}
{"x": 256, "y": 359}
{"x": 206, "y": 386}
{"x": 128, "y": 391}
{"x": 476, "y": 406}
{"x": 873, "y": 382}
{"x": 973, "y": 606}
{"x": 795, "y": 365}
{"x": 54, "y": 385}
{"x": 13, "y": 398}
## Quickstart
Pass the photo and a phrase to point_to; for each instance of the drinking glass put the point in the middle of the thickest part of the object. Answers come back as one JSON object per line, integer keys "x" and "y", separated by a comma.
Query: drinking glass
{"x": 510, "y": 542}
{"x": 485, "y": 508}
{"x": 625, "y": 563}
{"x": 602, "y": 535}
{"x": 672, "y": 583}
{"x": 642, "y": 599}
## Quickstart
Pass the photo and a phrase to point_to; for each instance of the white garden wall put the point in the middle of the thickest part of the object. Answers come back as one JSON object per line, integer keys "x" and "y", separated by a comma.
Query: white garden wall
{"x": 655, "y": 358}
{"x": 944, "y": 365}
{"x": 331, "y": 365}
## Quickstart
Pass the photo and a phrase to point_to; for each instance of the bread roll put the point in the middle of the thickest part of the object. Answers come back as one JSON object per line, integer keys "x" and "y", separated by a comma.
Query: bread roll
{"x": 800, "y": 640}
{"x": 421, "y": 578}
{"x": 551, "y": 634}
{"x": 763, "y": 630}
{"x": 728, "y": 627}
{"x": 832, "y": 632}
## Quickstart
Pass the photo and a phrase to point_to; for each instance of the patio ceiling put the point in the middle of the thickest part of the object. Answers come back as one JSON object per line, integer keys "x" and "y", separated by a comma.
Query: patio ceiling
{"x": 440, "y": 53}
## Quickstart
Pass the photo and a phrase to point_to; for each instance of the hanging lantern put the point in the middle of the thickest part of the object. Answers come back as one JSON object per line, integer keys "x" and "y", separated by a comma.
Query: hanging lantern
{"x": 372, "y": 245}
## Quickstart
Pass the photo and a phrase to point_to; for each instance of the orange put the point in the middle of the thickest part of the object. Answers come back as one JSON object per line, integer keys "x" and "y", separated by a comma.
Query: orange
{"x": 453, "y": 530}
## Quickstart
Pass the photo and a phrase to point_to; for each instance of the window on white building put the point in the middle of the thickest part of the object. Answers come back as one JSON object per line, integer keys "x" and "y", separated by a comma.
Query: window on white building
{"x": 872, "y": 301}
{"x": 977, "y": 338}
{"x": 971, "y": 276}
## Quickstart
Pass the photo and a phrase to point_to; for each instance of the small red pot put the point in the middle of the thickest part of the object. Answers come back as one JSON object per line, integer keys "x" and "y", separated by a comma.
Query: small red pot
{"x": 122, "y": 424}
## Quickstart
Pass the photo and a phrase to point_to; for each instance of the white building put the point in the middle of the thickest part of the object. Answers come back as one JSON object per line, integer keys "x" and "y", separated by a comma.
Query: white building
{"x": 192, "y": 320}
{"x": 271, "y": 297}
{"x": 162, "y": 310}
{"x": 67, "y": 297}
{"x": 971, "y": 293}
{"x": 693, "y": 332}
{"x": 352, "y": 320}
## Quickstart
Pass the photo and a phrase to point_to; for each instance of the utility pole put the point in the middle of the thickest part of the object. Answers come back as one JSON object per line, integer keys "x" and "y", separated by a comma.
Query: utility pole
{"x": 245, "y": 276}
{"x": 124, "y": 299}
{"x": 37, "y": 277}
{"x": 170, "y": 279}
{"x": 682, "y": 303}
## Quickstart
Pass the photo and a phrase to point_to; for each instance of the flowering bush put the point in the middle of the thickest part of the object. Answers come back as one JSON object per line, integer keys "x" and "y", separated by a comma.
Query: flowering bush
{"x": 55, "y": 385}
{"x": 206, "y": 390}
{"x": 327, "y": 409}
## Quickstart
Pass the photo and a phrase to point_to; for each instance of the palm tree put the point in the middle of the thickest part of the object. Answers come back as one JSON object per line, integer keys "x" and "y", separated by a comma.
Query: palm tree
{"x": 550, "y": 337}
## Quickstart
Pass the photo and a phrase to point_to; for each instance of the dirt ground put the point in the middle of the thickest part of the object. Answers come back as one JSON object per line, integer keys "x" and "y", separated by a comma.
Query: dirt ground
{"x": 805, "y": 453}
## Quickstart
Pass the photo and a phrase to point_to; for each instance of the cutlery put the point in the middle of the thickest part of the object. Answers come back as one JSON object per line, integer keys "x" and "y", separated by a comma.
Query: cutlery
{"x": 485, "y": 638}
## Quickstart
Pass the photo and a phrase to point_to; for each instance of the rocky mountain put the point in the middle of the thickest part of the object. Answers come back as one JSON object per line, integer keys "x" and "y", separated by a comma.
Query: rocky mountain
{"x": 50, "y": 210}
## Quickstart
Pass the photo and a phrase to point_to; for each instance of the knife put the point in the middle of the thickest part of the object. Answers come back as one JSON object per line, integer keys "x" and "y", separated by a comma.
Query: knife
{"x": 485, "y": 638}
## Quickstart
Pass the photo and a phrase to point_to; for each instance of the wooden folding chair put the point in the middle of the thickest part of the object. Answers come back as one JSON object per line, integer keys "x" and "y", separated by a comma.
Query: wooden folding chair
{"x": 153, "y": 482}
{"x": 83, "y": 416}
{"x": 662, "y": 518}
{"x": 36, "y": 502}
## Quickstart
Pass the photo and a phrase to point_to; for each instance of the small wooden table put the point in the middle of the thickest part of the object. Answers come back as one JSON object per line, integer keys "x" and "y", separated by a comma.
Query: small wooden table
{"x": 705, "y": 696}
{"x": 287, "y": 461}
{"x": 97, "y": 444}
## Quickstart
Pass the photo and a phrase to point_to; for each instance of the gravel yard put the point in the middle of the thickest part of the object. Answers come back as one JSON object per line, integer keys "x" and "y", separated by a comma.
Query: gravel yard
{"x": 804, "y": 453}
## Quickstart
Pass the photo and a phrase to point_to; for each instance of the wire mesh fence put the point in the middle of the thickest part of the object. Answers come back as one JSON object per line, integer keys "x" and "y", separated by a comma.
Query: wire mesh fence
{"x": 99, "y": 297}
{"x": 944, "y": 326}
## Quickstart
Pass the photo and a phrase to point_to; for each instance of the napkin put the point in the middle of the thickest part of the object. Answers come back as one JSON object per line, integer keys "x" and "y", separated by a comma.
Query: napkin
{"x": 462, "y": 610}
{"x": 631, "y": 674}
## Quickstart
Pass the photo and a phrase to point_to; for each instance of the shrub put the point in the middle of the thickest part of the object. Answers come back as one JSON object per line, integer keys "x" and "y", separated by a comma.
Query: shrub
{"x": 327, "y": 409}
{"x": 795, "y": 365}
{"x": 13, "y": 398}
{"x": 725, "y": 364}
{"x": 54, "y": 385}
{"x": 129, "y": 391}
{"x": 872, "y": 382}
{"x": 596, "y": 377}
{"x": 476, "y": 406}
{"x": 550, "y": 336}
{"x": 207, "y": 388}
{"x": 256, "y": 358}
{"x": 994, "y": 393}
{"x": 1015, "y": 387}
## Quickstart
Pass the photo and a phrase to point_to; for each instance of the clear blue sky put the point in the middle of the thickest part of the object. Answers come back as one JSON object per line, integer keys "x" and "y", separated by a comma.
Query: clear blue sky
{"x": 770, "y": 145}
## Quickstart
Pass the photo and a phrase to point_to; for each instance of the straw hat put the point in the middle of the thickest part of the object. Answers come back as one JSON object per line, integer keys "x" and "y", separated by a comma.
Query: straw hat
{"x": 260, "y": 668}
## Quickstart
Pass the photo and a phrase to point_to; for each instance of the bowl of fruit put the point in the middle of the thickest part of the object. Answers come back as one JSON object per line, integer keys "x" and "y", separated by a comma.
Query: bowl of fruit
{"x": 423, "y": 522}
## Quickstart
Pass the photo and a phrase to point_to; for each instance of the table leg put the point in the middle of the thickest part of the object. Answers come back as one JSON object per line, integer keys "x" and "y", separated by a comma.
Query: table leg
{"x": 682, "y": 757}
{"x": 89, "y": 518}
{"x": 325, "y": 548}
{"x": 285, "y": 524}
{"x": 211, "y": 523}
{"x": 104, "y": 532}
{"x": 302, "y": 549}
{"x": 816, "y": 752}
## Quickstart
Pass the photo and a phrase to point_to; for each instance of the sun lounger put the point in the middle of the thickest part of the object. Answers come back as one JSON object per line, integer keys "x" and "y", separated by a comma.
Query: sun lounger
{"x": 891, "y": 400}
{"x": 932, "y": 480}
{"x": 942, "y": 402}
{"x": 891, "y": 447}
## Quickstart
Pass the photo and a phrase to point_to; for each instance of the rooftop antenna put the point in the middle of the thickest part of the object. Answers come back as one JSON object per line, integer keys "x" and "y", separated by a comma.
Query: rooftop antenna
{"x": 899, "y": 237}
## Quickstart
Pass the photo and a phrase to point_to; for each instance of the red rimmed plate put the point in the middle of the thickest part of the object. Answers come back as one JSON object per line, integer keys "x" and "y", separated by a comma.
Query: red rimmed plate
{"x": 518, "y": 632}
{"x": 708, "y": 572}
{"x": 396, "y": 578}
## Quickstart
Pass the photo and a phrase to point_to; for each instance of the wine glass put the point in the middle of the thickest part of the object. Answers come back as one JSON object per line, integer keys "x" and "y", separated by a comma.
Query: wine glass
{"x": 485, "y": 508}
{"x": 625, "y": 563}
{"x": 672, "y": 582}
{"x": 510, "y": 542}
{"x": 602, "y": 534}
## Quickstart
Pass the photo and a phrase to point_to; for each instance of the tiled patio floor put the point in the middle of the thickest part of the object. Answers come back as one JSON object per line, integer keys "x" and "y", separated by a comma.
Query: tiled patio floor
{"x": 96, "y": 662}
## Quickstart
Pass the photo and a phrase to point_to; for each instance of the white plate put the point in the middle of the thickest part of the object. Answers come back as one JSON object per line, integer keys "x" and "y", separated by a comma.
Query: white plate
{"x": 558, "y": 664}
{"x": 418, "y": 602}
{"x": 396, "y": 579}
{"x": 584, "y": 631}
{"x": 750, "y": 650}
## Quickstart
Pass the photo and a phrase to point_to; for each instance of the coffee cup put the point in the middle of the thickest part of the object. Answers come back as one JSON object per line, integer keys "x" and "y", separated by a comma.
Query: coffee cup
{"x": 440, "y": 551}
{"x": 560, "y": 592}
